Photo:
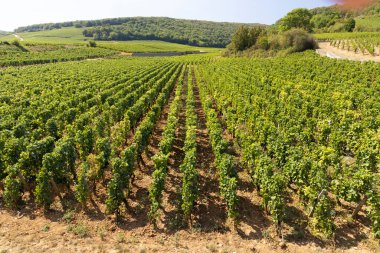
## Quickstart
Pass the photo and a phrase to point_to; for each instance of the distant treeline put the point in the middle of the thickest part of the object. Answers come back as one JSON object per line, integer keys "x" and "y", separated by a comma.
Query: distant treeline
{"x": 191, "y": 32}
{"x": 78, "y": 24}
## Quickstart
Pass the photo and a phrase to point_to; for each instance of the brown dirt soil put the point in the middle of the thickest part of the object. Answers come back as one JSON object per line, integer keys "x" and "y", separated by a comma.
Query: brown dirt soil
{"x": 42, "y": 234}
{"x": 332, "y": 52}
{"x": 61, "y": 230}
{"x": 171, "y": 218}
{"x": 126, "y": 54}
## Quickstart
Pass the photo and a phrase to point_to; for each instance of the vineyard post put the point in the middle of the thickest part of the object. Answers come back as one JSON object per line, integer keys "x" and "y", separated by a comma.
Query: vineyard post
{"x": 359, "y": 206}
{"x": 55, "y": 188}
{"x": 323, "y": 192}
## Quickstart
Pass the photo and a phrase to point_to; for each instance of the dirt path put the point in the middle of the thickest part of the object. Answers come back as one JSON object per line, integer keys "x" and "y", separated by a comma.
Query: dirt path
{"x": 18, "y": 37}
{"x": 332, "y": 52}
{"x": 39, "y": 234}
{"x": 210, "y": 212}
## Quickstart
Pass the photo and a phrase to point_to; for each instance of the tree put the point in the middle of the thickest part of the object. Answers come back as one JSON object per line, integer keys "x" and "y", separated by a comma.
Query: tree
{"x": 245, "y": 37}
{"x": 324, "y": 20}
{"x": 297, "y": 18}
{"x": 350, "y": 25}
{"x": 240, "y": 39}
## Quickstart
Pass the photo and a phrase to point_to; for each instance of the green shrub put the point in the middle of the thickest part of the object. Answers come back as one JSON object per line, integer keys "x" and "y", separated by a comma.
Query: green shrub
{"x": 297, "y": 40}
{"x": 91, "y": 43}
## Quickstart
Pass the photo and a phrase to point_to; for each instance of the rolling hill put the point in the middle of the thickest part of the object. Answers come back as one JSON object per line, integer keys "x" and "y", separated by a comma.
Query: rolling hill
{"x": 3, "y": 33}
{"x": 190, "y": 32}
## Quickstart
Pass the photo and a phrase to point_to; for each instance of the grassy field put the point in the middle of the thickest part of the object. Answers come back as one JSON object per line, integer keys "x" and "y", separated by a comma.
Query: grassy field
{"x": 370, "y": 23}
{"x": 74, "y": 36}
{"x": 139, "y": 46}
{"x": 64, "y": 35}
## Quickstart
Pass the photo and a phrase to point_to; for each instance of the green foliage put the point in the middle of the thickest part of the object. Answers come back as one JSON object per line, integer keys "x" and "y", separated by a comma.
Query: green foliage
{"x": 82, "y": 190}
{"x": 79, "y": 229}
{"x": 85, "y": 140}
{"x": 191, "y": 32}
{"x": 61, "y": 54}
{"x": 297, "y": 18}
{"x": 257, "y": 39}
{"x": 350, "y": 25}
{"x": 223, "y": 161}
{"x": 158, "y": 183}
{"x": 190, "y": 175}
{"x": 91, "y": 43}
{"x": 245, "y": 37}
{"x": 52, "y": 127}
{"x": 323, "y": 217}
{"x": 12, "y": 150}
{"x": 123, "y": 168}
{"x": 323, "y": 20}
{"x": 374, "y": 213}
{"x": 116, "y": 186}
{"x": 103, "y": 150}
{"x": 12, "y": 188}
{"x": 345, "y": 25}
{"x": 16, "y": 43}
{"x": 367, "y": 24}
{"x": 297, "y": 41}
{"x": 196, "y": 33}
{"x": 334, "y": 19}
{"x": 152, "y": 46}
{"x": 43, "y": 189}
{"x": 160, "y": 160}
{"x": 290, "y": 136}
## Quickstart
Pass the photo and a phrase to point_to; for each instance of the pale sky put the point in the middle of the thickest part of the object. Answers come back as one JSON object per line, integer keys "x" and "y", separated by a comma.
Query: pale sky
{"x": 15, "y": 13}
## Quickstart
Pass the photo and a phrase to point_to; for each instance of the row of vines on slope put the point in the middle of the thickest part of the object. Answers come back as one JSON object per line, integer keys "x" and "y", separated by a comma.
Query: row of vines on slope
{"x": 123, "y": 166}
{"x": 38, "y": 163}
{"x": 360, "y": 42}
{"x": 294, "y": 140}
{"x": 21, "y": 57}
{"x": 161, "y": 159}
{"x": 188, "y": 167}
{"x": 224, "y": 162}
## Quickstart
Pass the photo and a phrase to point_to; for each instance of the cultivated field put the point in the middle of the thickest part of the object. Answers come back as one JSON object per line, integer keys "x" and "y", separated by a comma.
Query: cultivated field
{"x": 101, "y": 151}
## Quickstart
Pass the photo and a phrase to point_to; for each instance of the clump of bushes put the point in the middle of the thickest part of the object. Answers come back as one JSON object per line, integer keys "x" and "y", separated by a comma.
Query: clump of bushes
{"x": 295, "y": 40}
{"x": 18, "y": 44}
{"x": 258, "y": 41}
{"x": 91, "y": 43}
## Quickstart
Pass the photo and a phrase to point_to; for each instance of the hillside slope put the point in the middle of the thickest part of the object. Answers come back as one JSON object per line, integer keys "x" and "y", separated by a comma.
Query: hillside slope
{"x": 333, "y": 18}
{"x": 3, "y": 33}
{"x": 191, "y": 32}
